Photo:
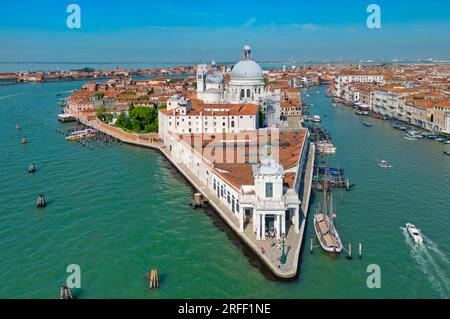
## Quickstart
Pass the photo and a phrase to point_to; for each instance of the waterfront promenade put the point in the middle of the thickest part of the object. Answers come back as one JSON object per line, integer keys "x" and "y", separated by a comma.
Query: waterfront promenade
{"x": 266, "y": 250}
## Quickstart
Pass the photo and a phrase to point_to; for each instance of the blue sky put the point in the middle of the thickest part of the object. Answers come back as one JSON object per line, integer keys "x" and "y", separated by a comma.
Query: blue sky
{"x": 139, "y": 30}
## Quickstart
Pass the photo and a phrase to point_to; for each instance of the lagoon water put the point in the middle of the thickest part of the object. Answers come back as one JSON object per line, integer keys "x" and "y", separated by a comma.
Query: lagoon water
{"x": 119, "y": 210}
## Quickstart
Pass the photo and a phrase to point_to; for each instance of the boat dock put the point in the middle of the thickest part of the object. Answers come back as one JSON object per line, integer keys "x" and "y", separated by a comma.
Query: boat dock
{"x": 266, "y": 250}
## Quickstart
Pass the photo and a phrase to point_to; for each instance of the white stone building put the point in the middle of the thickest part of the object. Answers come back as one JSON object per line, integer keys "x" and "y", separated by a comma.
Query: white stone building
{"x": 182, "y": 117}
{"x": 341, "y": 82}
{"x": 263, "y": 195}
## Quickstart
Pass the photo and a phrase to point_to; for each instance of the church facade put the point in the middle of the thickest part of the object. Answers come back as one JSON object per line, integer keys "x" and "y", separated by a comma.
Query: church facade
{"x": 246, "y": 86}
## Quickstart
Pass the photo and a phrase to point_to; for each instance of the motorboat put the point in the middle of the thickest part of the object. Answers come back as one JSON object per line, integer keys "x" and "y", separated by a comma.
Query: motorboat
{"x": 415, "y": 233}
{"x": 81, "y": 135}
{"x": 316, "y": 118}
{"x": 384, "y": 164}
{"x": 326, "y": 147}
{"x": 367, "y": 124}
{"x": 411, "y": 137}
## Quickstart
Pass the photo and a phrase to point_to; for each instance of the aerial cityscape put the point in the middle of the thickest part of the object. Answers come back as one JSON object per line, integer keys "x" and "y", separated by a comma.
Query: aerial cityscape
{"x": 250, "y": 167}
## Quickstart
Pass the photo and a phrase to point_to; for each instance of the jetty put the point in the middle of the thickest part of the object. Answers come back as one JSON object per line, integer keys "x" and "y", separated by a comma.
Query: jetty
{"x": 266, "y": 250}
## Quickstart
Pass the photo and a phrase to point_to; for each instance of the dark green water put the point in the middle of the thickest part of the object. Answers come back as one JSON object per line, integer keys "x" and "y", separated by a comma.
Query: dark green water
{"x": 118, "y": 210}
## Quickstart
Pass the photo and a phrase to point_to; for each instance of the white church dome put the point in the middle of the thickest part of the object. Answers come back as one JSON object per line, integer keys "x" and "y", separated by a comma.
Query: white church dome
{"x": 246, "y": 69}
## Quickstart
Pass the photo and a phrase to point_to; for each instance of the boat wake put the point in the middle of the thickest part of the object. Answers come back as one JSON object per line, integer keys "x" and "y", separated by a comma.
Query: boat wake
{"x": 432, "y": 262}
{"x": 8, "y": 96}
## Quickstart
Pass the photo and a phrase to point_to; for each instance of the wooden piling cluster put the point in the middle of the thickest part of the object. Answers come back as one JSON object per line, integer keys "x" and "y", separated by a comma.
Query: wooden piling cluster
{"x": 153, "y": 278}
{"x": 65, "y": 293}
{"x": 31, "y": 168}
{"x": 40, "y": 202}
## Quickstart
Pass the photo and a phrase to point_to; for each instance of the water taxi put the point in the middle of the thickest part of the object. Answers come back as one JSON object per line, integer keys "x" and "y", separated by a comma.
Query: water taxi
{"x": 414, "y": 232}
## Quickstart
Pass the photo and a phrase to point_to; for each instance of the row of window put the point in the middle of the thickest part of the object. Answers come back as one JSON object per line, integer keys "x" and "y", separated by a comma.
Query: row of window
{"x": 224, "y": 194}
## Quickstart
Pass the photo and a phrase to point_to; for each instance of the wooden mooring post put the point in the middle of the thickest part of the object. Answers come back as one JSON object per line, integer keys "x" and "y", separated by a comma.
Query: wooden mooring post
{"x": 153, "y": 278}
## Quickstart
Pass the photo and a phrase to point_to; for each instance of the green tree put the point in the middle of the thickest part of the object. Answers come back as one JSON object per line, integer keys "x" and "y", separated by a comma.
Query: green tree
{"x": 99, "y": 95}
{"x": 123, "y": 121}
{"x": 100, "y": 112}
{"x": 261, "y": 116}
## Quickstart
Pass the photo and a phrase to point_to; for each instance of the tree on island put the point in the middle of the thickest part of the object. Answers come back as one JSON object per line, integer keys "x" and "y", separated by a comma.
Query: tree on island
{"x": 86, "y": 69}
{"x": 140, "y": 119}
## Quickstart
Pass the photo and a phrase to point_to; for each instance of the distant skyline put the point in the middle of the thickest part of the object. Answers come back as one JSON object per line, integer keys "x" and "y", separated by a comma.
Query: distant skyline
{"x": 179, "y": 31}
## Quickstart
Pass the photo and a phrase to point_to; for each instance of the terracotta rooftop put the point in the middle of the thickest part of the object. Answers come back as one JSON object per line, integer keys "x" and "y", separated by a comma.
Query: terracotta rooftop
{"x": 231, "y": 155}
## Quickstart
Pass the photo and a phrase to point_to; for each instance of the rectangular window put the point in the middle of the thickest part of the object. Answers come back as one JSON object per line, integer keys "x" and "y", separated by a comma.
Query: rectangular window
{"x": 269, "y": 190}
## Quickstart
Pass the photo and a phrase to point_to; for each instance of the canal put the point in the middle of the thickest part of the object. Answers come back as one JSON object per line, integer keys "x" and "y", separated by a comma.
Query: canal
{"x": 118, "y": 210}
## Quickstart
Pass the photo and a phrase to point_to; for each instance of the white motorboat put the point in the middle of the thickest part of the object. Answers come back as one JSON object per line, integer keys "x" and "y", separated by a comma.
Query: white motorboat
{"x": 326, "y": 147}
{"x": 384, "y": 164}
{"x": 415, "y": 233}
{"x": 316, "y": 118}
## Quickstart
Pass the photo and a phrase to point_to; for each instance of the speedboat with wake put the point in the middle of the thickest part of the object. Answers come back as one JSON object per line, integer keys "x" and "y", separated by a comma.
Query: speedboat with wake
{"x": 384, "y": 164}
{"x": 414, "y": 233}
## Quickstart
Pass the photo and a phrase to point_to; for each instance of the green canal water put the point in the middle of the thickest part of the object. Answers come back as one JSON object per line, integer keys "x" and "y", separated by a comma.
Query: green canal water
{"x": 119, "y": 210}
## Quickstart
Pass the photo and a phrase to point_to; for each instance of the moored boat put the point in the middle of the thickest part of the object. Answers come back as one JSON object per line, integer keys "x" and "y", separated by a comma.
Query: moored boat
{"x": 324, "y": 226}
{"x": 66, "y": 118}
{"x": 326, "y": 147}
{"x": 81, "y": 135}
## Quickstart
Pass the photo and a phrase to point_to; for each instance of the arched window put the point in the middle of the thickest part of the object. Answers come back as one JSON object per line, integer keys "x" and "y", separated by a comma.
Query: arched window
{"x": 242, "y": 93}
{"x": 248, "y": 92}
